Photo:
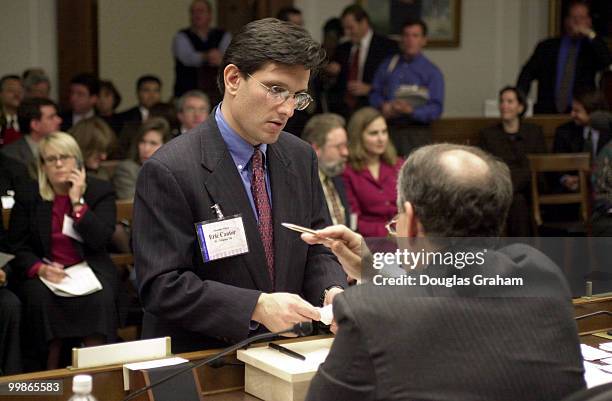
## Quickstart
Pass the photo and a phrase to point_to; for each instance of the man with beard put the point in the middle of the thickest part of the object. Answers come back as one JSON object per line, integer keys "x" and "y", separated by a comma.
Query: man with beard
{"x": 326, "y": 133}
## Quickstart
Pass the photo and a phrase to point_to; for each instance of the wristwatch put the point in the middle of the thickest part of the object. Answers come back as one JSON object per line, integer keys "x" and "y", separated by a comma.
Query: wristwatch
{"x": 80, "y": 202}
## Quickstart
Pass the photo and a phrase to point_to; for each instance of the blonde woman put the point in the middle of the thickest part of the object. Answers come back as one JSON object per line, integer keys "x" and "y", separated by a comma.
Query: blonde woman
{"x": 63, "y": 219}
{"x": 370, "y": 176}
{"x": 96, "y": 140}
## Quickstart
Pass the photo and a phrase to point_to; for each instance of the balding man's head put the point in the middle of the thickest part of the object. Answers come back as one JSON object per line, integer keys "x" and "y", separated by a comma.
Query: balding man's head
{"x": 456, "y": 191}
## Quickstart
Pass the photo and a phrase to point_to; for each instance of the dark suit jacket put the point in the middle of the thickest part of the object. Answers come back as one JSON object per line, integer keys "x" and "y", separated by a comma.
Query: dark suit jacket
{"x": 29, "y": 234}
{"x": 12, "y": 173}
{"x": 381, "y": 47}
{"x": 569, "y": 138}
{"x": 66, "y": 117}
{"x": 339, "y": 184}
{"x": 19, "y": 151}
{"x": 130, "y": 116}
{"x": 411, "y": 343}
{"x": 542, "y": 67}
{"x": 209, "y": 305}
{"x": 529, "y": 139}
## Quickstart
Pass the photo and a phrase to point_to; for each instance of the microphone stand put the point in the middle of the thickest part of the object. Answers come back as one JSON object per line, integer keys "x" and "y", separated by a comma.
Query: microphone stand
{"x": 301, "y": 329}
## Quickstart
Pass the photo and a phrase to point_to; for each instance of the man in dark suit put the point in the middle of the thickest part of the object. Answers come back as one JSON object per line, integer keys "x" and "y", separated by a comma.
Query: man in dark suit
{"x": 463, "y": 341}
{"x": 84, "y": 90}
{"x": 238, "y": 162}
{"x": 148, "y": 91}
{"x": 566, "y": 64}
{"x": 326, "y": 133}
{"x": 356, "y": 61}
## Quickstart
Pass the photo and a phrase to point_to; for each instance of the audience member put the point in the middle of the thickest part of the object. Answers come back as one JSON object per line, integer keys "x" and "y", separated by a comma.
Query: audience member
{"x": 36, "y": 83}
{"x": 151, "y": 136}
{"x": 291, "y": 14}
{"x": 564, "y": 65}
{"x": 193, "y": 109}
{"x": 109, "y": 99}
{"x": 84, "y": 90}
{"x": 168, "y": 112}
{"x": 578, "y": 135}
{"x": 512, "y": 140}
{"x": 371, "y": 174}
{"x": 409, "y": 90}
{"x": 12, "y": 173}
{"x": 96, "y": 140}
{"x": 148, "y": 91}
{"x": 602, "y": 187}
{"x": 198, "y": 51}
{"x": 220, "y": 164}
{"x": 356, "y": 61}
{"x": 42, "y": 249}
{"x": 10, "y": 318}
{"x": 11, "y": 95}
{"x": 520, "y": 341}
{"x": 37, "y": 119}
{"x": 326, "y": 133}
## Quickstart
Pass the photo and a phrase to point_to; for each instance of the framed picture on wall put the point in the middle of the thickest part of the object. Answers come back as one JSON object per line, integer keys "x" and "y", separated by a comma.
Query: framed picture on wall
{"x": 443, "y": 18}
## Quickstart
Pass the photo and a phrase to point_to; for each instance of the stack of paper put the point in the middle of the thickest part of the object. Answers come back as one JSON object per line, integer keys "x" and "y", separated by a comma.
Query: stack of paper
{"x": 80, "y": 281}
{"x": 157, "y": 363}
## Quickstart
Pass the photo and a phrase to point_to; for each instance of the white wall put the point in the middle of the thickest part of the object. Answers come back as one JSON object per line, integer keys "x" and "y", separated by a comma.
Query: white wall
{"x": 29, "y": 37}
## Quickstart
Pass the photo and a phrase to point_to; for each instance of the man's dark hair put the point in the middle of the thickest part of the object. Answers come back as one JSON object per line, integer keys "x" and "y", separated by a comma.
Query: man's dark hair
{"x": 591, "y": 100}
{"x": 520, "y": 97}
{"x": 90, "y": 81}
{"x": 357, "y": 12}
{"x": 470, "y": 201}
{"x": 284, "y": 13}
{"x": 7, "y": 78}
{"x": 147, "y": 78}
{"x": 109, "y": 86}
{"x": 271, "y": 40}
{"x": 415, "y": 21}
{"x": 30, "y": 109}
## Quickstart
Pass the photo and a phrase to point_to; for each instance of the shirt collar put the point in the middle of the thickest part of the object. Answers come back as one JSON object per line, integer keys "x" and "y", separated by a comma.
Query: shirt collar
{"x": 240, "y": 150}
{"x": 365, "y": 41}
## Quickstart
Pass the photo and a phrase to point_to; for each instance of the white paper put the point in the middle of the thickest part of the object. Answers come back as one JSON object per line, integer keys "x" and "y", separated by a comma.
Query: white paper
{"x": 81, "y": 280}
{"x": 607, "y": 361}
{"x": 594, "y": 376}
{"x": 68, "y": 229}
{"x": 157, "y": 363}
{"x": 8, "y": 202}
{"x": 592, "y": 354}
{"x": 606, "y": 346}
{"x": 327, "y": 314}
{"x": 5, "y": 258}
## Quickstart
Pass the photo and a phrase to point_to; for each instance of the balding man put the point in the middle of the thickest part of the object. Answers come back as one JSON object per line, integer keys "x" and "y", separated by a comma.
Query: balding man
{"x": 458, "y": 340}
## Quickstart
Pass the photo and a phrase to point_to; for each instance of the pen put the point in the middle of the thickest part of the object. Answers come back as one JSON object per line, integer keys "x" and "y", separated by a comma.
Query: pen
{"x": 287, "y": 351}
{"x": 47, "y": 261}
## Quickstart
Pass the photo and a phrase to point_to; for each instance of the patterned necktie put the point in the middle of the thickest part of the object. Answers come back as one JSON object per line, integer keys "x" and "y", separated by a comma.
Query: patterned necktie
{"x": 336, "y": 212}
{"x": 353, "y": 75}
{"x": 562, "y": 100}
{"x": 264, "y": 212}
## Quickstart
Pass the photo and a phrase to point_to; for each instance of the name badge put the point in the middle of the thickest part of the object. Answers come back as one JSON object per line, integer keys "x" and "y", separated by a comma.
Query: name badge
{"x": 222, "y": 238}
{"x": 68, "y": 229}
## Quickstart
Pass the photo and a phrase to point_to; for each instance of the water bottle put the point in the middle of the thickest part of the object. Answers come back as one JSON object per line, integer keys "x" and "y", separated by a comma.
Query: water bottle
{"x": 81, "y": 387}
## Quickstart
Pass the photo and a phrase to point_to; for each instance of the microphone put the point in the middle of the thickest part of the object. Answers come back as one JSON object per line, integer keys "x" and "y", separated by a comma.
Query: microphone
{"x": 301, "y": 329}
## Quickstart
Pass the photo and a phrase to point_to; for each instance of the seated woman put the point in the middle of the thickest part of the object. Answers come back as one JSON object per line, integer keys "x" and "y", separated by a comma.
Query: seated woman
{"x": 46, "y": 216}
{"x": 96, "y": 140}
{"x": 602, "y": 187}
{"x": 370, "y": 176}
{"x": 109, "y": 99}
{"x": 512, "y": 140}
{"x": 151, "y": 136}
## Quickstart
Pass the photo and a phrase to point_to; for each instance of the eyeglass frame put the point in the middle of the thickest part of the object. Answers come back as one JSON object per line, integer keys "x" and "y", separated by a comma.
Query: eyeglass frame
{"x": 52, "y": 160}
{"x": 391, "y": 226}
{"x": 284, "y": 95}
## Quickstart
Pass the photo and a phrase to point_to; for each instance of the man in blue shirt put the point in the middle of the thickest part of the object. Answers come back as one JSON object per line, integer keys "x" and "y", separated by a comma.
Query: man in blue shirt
{"x": 409, "y": 90}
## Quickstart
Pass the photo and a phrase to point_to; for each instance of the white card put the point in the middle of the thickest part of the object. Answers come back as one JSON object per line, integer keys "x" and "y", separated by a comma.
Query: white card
{"x": 222, "y": 238}
{"x": 68, "y": 229}
{"x": 8, "y": 202}
{"x": 327, "y": 314}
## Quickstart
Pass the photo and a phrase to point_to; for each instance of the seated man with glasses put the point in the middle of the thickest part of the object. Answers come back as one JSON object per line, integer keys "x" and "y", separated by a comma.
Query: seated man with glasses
{"x": 237, "y": 176}
{"x": 462, "y": 342}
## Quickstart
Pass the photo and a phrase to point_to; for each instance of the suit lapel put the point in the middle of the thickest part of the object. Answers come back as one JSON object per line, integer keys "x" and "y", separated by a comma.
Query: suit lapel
{"x": 224, "y": 185}
{"x": 283, "y": 183}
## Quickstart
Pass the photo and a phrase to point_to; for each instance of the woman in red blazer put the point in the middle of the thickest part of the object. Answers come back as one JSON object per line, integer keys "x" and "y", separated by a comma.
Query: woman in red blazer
{"x": 371, "y": 174}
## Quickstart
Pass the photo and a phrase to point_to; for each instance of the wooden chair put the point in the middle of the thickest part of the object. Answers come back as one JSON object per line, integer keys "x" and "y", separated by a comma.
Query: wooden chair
{"x": 562, "y": 162}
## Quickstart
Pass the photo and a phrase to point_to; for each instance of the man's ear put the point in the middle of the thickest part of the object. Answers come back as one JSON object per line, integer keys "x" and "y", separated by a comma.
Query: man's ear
{"x": 231, "y": 78}
{"x": 414, "y": 227}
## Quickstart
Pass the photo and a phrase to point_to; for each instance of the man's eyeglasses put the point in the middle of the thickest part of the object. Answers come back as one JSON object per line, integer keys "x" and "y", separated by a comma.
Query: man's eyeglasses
{"x": 279, "y": 95}
{"x": 391, "y": 226}
{"x": 51, "y": 160}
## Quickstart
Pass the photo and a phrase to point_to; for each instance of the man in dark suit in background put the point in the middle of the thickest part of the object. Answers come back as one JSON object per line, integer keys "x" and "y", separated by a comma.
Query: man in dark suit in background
{"x": 356, "y": 61}
{"x": 148, "y": 91}
{"x": 566, "y": 64}
{"x": 84, "y": 90}
{"x": 328, "y": 137}
{"x": 433, "y": 342}
{"x": 238, "y": 162}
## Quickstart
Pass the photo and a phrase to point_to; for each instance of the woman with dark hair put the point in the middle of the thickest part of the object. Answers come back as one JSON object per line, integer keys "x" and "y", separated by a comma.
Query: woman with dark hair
{"x": 512, "y": 140}
{"x": 109, "y": 99}
{"x": 370, "y": 176}
{"x": 151, "y": 136}
{"x": 65, "y": 218}
{"x": 96, "y": 140}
